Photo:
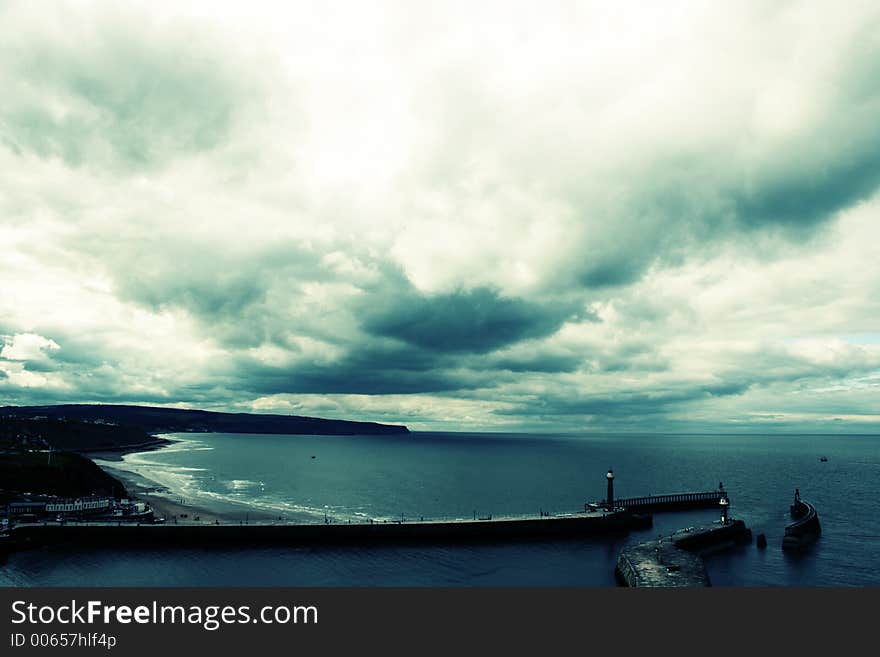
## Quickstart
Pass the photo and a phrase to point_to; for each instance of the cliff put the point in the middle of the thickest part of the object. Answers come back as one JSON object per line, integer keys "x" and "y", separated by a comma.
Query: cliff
{"x": 151, "y": 419}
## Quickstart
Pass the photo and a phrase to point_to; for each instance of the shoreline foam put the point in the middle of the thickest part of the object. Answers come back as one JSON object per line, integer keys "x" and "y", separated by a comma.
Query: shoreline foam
{"x": 167, "y": 502}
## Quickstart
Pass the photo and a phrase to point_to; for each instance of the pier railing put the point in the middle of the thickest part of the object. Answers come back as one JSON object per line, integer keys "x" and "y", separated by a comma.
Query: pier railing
{"x": 706, "y": 499}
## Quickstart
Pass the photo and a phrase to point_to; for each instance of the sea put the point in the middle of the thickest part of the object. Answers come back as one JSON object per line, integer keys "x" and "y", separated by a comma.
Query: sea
{"x": 465, "y": 475}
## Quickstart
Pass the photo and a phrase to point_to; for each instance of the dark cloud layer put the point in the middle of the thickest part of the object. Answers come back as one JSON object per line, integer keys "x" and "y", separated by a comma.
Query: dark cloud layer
{"x": 810, "y": 191}
{"x": 477, "y": 320}
{"x": 368, "y": 370}
{"x": 761, "y": 370}
{"x": 538, "y": 362}
{"x": 626, "y": 405}
{"x": 244, "y": 297}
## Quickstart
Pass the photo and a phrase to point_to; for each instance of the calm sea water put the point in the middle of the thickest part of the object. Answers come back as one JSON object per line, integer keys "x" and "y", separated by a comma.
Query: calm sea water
{"x": 435, "y": 475}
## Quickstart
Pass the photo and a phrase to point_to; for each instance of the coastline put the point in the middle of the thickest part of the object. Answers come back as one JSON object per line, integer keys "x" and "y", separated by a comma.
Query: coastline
{"x": 179, "y": 510}
{"x": 117, "y": 453}
{"x": 161, "y": 498}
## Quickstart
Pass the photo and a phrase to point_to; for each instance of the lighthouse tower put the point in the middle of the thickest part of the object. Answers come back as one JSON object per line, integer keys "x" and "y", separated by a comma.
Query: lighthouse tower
{"x": 609, "y": 503}
{"x": 725, "y": 509}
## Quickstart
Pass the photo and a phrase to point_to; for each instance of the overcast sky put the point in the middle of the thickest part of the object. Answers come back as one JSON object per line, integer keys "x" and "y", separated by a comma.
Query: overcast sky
{"x": 541, "y": 216}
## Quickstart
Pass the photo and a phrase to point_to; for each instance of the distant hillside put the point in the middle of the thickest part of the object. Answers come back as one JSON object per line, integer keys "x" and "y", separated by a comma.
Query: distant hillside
{"x": 71, "y": 435}
{"x": 153, "y": 420}
{"x": 61, "y": 473}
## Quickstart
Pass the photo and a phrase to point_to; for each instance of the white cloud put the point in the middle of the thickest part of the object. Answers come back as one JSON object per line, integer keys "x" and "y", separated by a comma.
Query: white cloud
{"x": 27, "y": 346}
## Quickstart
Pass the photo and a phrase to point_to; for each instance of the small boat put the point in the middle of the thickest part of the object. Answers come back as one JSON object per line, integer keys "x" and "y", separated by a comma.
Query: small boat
{"x": 824, "y": 459}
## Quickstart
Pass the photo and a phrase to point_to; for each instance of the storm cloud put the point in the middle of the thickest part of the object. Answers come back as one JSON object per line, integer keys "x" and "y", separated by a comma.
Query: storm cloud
{"x": 505, "y": 217}
{"x": 477, "y": 320}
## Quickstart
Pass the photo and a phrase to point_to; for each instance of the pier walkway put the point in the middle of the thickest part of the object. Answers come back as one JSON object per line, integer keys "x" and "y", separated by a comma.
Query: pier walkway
{"x": 672, "y": 502}
{"x": 676, "y": 560}
{"x": 571, "y": 525}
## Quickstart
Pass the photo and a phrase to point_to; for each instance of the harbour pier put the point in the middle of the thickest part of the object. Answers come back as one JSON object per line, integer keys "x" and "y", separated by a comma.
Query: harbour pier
{"x": 677, "y": 560}
{"x": 608, "y": 517}
{"x": 654, "y": 503}
{"x": 108, "y": 534}
{"x": 805, "y": 529}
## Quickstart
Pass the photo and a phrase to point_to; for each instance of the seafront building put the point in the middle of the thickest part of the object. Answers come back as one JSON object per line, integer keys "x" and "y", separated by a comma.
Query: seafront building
{"x": 66, "y": 509}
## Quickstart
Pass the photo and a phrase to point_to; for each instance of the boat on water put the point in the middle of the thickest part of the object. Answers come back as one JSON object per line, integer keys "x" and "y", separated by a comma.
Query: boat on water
{"x": 824, "y": 459}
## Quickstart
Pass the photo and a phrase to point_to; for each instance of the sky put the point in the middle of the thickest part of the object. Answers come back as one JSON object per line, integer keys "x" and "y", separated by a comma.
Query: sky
{"x": 459, "y": 216}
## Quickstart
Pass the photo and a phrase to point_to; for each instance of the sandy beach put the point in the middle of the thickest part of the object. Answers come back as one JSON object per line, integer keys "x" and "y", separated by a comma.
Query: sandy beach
{"x": 179, "y": 510}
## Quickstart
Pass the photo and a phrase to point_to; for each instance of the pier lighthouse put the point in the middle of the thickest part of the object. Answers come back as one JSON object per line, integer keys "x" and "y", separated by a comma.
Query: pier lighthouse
{"x": 610, "y": 499}
{"x": 725, "y": 507}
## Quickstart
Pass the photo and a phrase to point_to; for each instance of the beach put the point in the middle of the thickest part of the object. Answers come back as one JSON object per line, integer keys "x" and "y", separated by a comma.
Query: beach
{"x": 172, "y": 509}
